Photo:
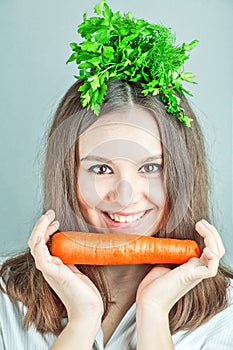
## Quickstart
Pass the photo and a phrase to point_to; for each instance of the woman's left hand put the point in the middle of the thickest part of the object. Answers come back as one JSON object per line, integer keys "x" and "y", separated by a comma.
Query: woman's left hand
{"x": 163, "y": 287}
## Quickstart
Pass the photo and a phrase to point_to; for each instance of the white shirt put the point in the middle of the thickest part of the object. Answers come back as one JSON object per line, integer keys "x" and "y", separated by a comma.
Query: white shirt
{"x": 217, "y": 333}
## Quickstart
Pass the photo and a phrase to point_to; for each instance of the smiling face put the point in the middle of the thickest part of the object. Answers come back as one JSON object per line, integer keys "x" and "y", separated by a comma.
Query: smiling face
{"x": 120, "y": 187}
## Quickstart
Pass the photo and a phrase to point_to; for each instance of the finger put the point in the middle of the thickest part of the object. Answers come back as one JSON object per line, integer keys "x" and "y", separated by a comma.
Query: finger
{"x": 159, "y": 271}
{"x": 211, "y": 237}
{"x": 155, "y": 273}
{"x": 41, "y": 226}
{"x": 74, "y": 269}
{"x": 38, "y": 236}
{"x": 51, "y": 229}
{"x": 217, "y": 236}
{"x": 44, "y": 221}
{"x": 212, "y": 263}
{"x": 43, "y": 238}
{"x": 43, "y": 259}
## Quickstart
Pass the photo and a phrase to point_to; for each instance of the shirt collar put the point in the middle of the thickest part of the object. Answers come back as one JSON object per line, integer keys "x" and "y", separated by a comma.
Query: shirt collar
{"x": 127, "y": 321}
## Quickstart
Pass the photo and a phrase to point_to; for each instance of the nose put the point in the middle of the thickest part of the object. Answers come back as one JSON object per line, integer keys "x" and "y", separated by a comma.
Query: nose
{"x": 124, "y": 193}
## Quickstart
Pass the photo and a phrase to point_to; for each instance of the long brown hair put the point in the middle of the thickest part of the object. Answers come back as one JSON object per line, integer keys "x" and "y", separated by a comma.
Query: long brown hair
{"x": 187, "y": 197}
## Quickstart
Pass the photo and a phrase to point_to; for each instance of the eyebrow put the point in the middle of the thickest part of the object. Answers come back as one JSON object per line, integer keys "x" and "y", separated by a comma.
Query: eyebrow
{"x": 106, "y": 160}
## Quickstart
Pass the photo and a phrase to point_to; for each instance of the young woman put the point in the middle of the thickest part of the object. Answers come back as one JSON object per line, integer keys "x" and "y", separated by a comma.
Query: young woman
{"x": 129, "y": 170}
{"x": 136, "y": 168}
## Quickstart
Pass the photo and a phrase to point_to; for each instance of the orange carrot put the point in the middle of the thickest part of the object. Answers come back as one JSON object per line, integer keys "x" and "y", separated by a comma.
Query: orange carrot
{"x": 120, "y": 249}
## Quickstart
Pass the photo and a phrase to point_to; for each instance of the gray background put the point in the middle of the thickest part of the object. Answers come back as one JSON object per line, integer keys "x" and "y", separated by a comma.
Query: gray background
{"x": 35, "y": 37}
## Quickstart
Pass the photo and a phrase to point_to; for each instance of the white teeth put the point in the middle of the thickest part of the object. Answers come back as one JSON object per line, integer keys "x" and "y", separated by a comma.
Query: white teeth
{"x": 121, "y": 218}
{"x": 129, "y": 218}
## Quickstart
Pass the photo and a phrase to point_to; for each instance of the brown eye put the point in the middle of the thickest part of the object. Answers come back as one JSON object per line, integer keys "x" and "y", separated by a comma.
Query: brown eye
{"x": 101, "y": 169}
{"x": 150, "y": 168}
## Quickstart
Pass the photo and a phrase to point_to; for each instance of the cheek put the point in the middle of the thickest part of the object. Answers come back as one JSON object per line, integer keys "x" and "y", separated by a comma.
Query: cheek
{"x": 92, "y": 189}
{"x": 156, "y": 192}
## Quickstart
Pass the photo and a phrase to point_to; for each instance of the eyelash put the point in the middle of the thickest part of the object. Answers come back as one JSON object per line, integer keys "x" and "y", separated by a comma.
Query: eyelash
{"x": 99, "y": 166}
{"x": 158, "y": 167}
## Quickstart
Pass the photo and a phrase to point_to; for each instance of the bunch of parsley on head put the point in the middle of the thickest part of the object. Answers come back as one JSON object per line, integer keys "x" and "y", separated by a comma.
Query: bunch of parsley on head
{"x": 117, "y": 46}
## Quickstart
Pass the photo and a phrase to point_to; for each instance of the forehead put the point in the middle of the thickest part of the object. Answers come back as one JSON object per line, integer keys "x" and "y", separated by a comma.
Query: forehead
{"x": 126, "y": 134}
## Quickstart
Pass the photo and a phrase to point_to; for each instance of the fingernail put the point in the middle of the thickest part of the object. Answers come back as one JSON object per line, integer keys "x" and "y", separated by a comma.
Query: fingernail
{"x": 50, "y": 214}
{"x": 56, "y": 224}
{"x": 205, "y": 222}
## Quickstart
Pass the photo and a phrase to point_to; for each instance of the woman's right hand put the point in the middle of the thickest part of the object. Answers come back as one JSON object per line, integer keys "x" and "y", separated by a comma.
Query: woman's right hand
{"x": 80, "y": 296}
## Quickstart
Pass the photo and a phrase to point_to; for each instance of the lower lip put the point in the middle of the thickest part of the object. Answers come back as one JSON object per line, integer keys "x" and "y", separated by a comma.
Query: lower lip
{"x": 112, "y": 223}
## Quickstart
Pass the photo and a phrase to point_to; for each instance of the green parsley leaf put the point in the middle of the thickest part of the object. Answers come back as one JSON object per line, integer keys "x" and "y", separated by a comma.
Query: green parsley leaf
{"x": 98, "y": 7}
{"x": 117, "y": 46}
{"x": 90, "y": 46}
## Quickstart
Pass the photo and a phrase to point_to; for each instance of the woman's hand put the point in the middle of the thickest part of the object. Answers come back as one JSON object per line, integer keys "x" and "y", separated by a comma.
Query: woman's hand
{"x": 77, "y": 292}
{"x": 163, "y": 287}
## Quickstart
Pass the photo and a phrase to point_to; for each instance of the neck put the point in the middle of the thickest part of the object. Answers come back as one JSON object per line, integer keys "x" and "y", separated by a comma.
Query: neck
{"x": 124, "y": 279}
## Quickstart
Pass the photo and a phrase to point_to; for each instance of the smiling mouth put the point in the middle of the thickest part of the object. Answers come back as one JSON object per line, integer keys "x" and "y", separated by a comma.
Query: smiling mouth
{"x": 125, "y": 218}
